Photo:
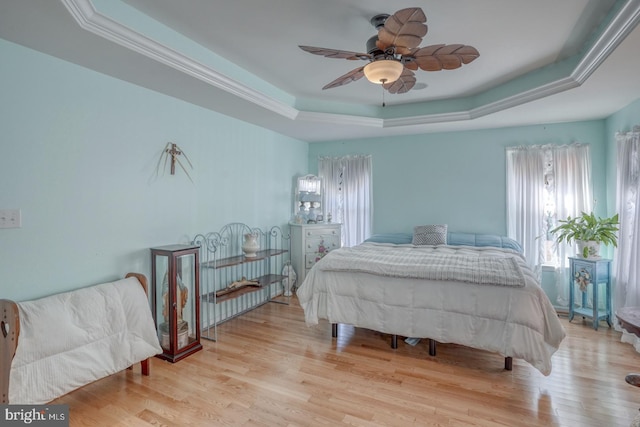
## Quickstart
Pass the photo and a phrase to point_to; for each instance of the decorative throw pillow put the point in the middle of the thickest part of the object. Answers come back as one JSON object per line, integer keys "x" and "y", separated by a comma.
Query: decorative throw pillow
{"x": 435, "y": 234}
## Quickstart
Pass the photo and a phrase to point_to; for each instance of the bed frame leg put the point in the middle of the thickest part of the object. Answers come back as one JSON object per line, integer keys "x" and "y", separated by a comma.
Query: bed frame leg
{"x": 432, "y": 347}
{"x": 334, "y": 330}
{"x": 394, "y": 341}
{"x": 508, "y": 363}
{"x": 144, "y": 366}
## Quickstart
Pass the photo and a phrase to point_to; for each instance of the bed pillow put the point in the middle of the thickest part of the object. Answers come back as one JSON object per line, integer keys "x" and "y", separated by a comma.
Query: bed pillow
{"x": 395, "y": 238}
{"x": 434, "y": 234}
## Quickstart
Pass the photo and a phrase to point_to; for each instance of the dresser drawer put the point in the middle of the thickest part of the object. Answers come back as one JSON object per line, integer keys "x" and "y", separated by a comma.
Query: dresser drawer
{"x": 329, "y": 242}
{"x": 313, "y": 250}
{"x": 310, "y": 260}
{"x": 597, "y": 271}
{"x": 320, "y": 231}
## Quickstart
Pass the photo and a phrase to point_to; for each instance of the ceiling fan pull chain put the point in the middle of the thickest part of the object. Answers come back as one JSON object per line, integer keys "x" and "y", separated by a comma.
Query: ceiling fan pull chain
{"x": 382, "y": 86}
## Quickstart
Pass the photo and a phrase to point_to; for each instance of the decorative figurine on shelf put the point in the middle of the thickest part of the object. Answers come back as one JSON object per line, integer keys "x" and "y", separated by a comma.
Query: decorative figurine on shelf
{"x": 288, "y": 283}
{"x": 250, "y": 246}
{"x": 301, "y": 216}
{"x": 182, "y": 296}
{"x": 312, "y": 216}
{"x": 237, "y": 285}
{"x": 311, "y": 199}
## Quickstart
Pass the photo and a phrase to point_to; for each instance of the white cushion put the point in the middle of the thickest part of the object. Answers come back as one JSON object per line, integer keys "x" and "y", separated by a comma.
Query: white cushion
{"x": 434, "y": 234}
{"x": 73, "y": 338}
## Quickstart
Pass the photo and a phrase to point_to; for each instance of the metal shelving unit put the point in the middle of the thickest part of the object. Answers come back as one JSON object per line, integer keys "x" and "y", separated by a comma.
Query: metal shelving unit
{"x": 223, "y": 265}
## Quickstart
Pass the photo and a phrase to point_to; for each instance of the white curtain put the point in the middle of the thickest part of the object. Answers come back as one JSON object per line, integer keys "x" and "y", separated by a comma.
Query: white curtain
{"x": 348, "y": 195}
{"x": 627, "y": 271}
{"x": 545, "y": 183}
{"x": 573, "y": 195}
{"x": 525, "y": 201}
{"x": 332, "y": 174}
{"x": 627, "y": 267}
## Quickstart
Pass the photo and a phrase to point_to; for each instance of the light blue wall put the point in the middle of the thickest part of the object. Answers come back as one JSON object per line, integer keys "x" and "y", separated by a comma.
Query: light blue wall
{"x": 80, "y": 151}
{"x": 79, "y": 154}
{"x": 457, "y": 178}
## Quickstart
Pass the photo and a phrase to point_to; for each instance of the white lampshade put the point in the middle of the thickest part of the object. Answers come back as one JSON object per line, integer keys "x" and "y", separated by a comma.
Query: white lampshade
{"x": 383, "y": 71}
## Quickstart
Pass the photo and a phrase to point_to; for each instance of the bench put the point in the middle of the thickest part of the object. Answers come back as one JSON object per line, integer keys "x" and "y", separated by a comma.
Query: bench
{"x": 629, "y": 318}
{"x": 56, "y": 344}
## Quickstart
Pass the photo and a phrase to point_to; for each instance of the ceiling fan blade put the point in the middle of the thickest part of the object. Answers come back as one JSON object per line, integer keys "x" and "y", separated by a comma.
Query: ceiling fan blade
{"x": 335, "y": 53}
{"x": 405, "y": 82}
{"x": 444, "y": 57}
{"x": 412, "y": 64}
{"x": 351, "y": 76}
{"x": 404, "y": 30}
{"x": 467, "y": 53}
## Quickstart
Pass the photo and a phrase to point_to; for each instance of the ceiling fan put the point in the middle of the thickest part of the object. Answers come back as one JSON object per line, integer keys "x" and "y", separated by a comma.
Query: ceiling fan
{"x": 393, "y": 53}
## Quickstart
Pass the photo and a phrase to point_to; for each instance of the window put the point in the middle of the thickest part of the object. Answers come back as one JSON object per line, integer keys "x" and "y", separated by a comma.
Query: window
{"x": 348, "y": 195}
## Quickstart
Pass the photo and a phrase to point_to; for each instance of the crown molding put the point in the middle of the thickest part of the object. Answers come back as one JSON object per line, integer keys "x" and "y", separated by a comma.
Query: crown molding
{"x": 84, "y": 13}
{"x": 89, "y": 19}
{"x": 428, "y": 119}
{"x": 525, "y": 97}
{"x": 493, "y": 107}
{"x": 341, "y": 119}
{"x": 618, "y": 28}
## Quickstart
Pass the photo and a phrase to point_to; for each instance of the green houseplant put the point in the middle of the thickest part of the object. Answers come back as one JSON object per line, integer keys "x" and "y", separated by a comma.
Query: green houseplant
{"x": 588, "y": 231}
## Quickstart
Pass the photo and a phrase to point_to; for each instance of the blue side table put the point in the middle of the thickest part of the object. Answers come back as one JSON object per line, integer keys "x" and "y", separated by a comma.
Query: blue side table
{"x": 587, "y": 275}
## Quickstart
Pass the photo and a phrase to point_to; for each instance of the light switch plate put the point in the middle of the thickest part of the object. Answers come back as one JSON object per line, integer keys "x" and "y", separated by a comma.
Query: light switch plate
{"x": 10, "y": 218}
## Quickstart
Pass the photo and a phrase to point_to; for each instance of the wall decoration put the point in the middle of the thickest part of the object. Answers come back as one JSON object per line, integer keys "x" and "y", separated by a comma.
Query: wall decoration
{"x": 171, "y": 154}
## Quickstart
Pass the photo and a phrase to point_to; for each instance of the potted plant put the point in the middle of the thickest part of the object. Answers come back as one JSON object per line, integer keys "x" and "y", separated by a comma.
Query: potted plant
{"x": 588, "y": 231}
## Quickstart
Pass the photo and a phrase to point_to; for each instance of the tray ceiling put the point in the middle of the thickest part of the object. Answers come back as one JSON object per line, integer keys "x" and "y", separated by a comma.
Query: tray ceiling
{"x": 540, "y": 62}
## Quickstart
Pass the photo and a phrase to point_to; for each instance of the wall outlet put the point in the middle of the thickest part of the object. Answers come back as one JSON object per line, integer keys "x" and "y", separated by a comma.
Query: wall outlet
{"x": 10, "y": 218}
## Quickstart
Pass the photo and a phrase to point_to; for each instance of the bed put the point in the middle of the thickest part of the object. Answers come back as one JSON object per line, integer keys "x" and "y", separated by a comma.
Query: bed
{"x": 474, "y": 294}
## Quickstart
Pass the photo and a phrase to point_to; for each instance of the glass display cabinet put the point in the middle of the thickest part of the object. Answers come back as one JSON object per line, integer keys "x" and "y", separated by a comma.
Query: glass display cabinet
{"x": 175, "y": 294}
{"x": 307, "y": 204}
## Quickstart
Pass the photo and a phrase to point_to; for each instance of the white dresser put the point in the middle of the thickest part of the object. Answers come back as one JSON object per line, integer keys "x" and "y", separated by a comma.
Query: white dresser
{"x": 307, "y": 244}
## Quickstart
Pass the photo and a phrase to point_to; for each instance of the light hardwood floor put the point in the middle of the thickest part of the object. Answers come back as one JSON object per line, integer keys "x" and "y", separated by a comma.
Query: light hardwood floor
{"x": 269, "y": 369}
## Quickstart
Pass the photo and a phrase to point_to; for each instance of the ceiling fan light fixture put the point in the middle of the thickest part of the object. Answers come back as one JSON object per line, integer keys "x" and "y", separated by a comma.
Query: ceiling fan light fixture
{"x": 383, "y": 71}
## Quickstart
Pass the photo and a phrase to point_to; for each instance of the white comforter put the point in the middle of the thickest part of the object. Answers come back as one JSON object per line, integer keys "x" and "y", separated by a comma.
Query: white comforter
{"x": 515, "y": 321}
{"x": 71, "y": 339}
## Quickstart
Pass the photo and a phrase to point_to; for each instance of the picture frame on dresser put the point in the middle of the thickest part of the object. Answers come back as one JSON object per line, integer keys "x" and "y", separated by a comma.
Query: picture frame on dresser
{"x": 311, "y": 242}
